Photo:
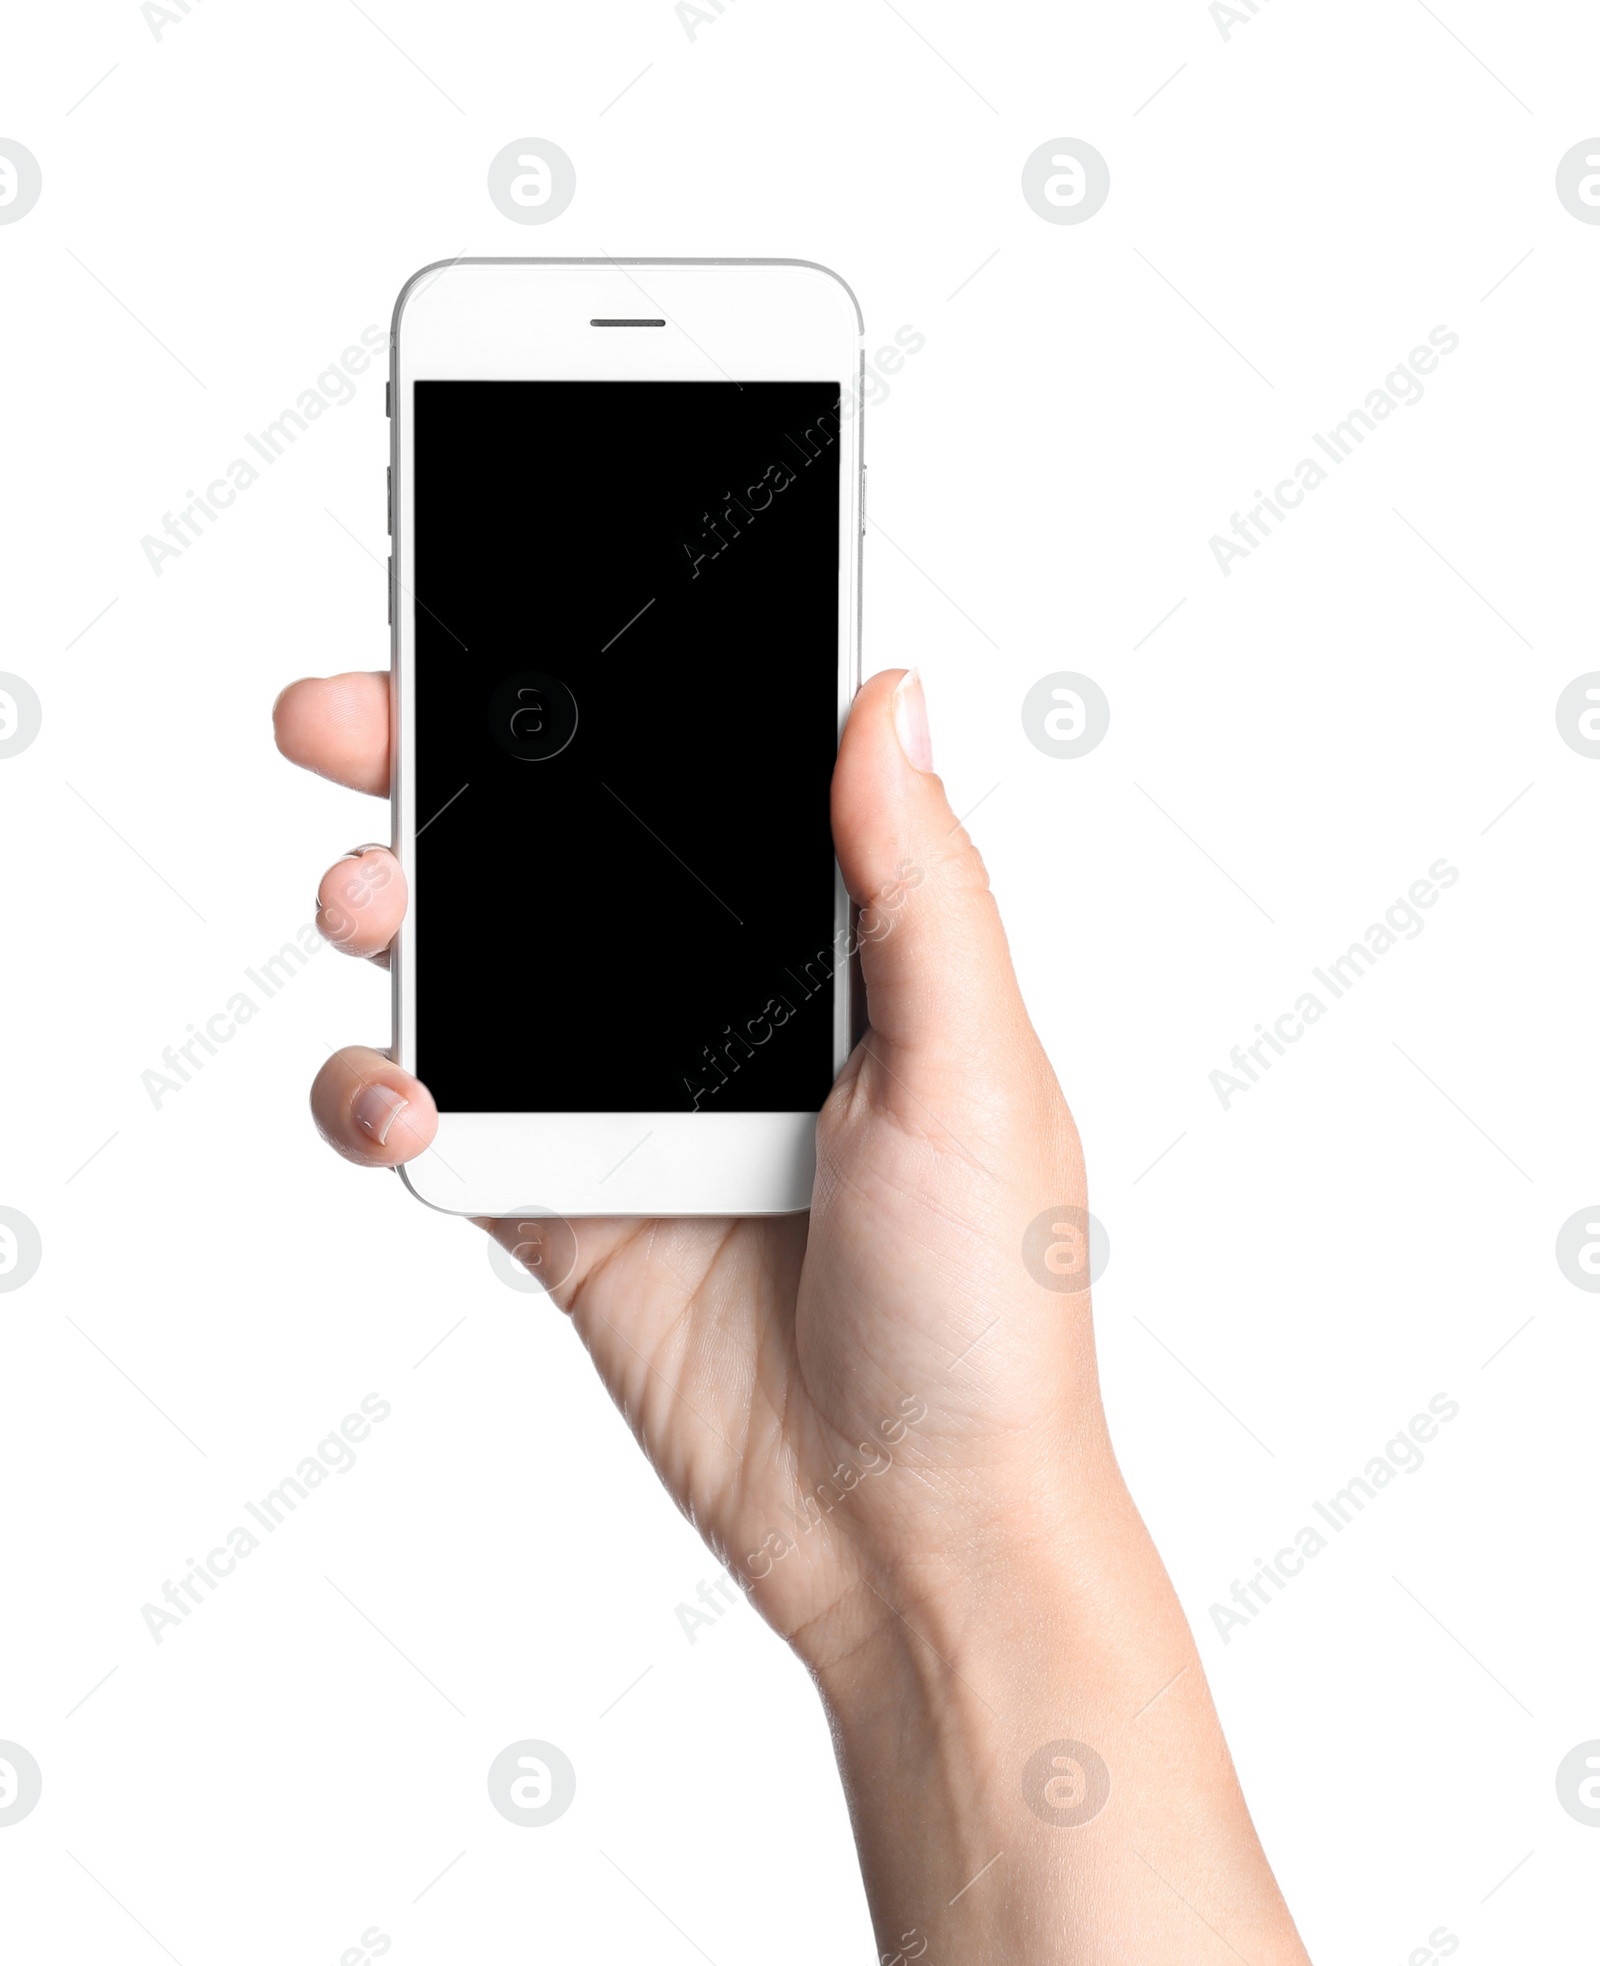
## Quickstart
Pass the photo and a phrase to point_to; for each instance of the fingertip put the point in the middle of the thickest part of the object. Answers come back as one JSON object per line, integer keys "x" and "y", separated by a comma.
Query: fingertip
{"x": 879, "y": 794}
{"x": 282, "y": 693}
{"x": 874, "y": 694}
{"x": 909, "y": 705}
{"x": 361, "y": 901}
{"x": 933, "y": 952}
{"x": 337, "y": 727}
{"x": 289, "y": 716}
{"x": 370, "y": 1111}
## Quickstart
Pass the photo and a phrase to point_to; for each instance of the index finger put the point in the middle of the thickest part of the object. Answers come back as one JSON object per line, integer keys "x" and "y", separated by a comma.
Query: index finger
{"x": 338, "y": 727}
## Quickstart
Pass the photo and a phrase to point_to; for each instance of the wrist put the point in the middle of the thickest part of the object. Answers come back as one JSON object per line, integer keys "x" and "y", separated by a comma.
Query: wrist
{"x": 1031, "y": 1757}
{"x": 965, "y": 1742}
{"x": 980, "y": 1638}
{"x": 987, "y": 1590}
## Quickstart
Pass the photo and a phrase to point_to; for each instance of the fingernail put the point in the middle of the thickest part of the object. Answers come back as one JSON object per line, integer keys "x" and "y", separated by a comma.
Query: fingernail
{"x": 911, "y": 721}
{"x": 376, "y": 1109}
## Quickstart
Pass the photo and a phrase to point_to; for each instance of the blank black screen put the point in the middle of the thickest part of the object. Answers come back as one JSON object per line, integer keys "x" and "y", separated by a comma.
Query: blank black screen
{"x": 643, "y": 921}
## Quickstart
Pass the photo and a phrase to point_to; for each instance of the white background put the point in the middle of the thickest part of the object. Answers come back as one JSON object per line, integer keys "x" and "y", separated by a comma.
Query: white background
{"x": 1320, "y": 190}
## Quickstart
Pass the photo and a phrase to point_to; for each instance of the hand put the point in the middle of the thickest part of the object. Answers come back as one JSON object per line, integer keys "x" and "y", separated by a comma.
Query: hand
{"x": 755, "y": 1358}
{"x": 884, "y": 1426}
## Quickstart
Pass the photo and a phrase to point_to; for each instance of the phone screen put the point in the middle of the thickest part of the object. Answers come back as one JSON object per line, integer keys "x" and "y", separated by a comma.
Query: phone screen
{"x": 626, "y": 710}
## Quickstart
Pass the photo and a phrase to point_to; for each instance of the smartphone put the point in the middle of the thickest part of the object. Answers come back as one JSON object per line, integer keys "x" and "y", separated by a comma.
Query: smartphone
{"x": 626, "y": 504}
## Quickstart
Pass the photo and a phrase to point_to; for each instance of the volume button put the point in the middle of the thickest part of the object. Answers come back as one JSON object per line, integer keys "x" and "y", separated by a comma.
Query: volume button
{"x": 388, "y": 489}
{"x": 390, "y": 588}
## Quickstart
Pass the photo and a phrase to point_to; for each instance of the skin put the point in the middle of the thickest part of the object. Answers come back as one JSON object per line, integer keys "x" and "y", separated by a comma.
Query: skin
{"x": 976, "y": 1584}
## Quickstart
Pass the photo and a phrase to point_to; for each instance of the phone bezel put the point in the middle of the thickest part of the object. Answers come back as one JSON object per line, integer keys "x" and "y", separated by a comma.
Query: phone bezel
{"x": 530, "y": 319}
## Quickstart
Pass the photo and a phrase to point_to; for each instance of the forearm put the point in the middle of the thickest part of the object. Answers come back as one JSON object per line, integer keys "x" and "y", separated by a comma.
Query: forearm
{"x": 1035, "y": 1771}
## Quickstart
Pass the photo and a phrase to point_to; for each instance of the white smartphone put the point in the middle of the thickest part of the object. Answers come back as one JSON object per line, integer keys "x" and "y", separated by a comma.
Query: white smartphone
{"x": 626, "y": 503}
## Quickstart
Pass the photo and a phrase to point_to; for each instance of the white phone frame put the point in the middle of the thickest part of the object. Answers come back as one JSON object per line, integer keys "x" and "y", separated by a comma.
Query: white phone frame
{"x": 530, "y": 319}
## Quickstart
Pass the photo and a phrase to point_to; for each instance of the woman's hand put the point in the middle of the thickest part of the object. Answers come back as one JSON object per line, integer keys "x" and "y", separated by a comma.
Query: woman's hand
{"x": 887, "y": 1427}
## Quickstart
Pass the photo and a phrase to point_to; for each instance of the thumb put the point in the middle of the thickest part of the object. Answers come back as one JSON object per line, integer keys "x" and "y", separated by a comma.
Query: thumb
{"x": 940, "y": 985}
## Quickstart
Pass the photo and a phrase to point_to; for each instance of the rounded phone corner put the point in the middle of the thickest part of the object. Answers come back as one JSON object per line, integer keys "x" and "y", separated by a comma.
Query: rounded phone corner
{"x": 791, "y": 1208}
{"x": 434, "y": 270}
{"x": 838, "y": 279}
{"x": 439, "y": 1207}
